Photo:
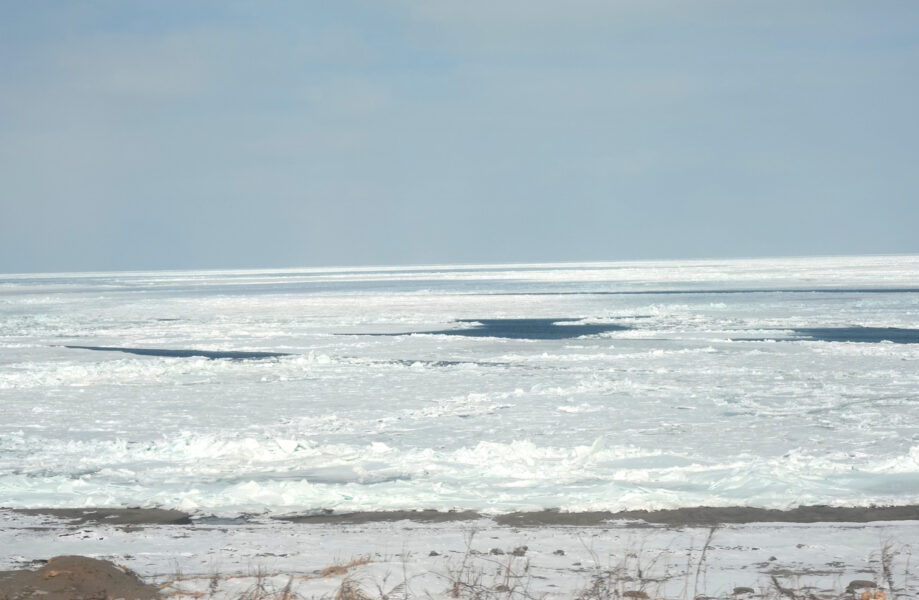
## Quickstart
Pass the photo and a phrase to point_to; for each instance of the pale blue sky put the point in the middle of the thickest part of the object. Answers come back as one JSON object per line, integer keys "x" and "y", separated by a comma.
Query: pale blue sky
{"x": 182, "y": 134}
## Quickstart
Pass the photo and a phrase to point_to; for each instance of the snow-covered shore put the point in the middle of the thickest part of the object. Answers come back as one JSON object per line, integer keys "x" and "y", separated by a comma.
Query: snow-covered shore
{"x": 481, "y": 558}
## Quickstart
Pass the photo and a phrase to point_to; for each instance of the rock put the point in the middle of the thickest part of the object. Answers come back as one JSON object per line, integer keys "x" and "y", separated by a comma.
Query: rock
{"x": 559, "y": 553}
{"x": 743, "y": 590}
{"x": 434, "y": 553}
{"x": 857, "y": 584}
{"x": 496, "y": 551}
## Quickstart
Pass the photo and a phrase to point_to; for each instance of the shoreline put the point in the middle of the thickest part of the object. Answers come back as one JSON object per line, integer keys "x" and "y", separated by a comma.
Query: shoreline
{"x": 696, "y": 516}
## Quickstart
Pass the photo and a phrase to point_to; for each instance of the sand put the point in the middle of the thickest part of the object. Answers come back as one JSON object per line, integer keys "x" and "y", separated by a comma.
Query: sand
{"x": 73, "y": 578}
{"x": 700, "y": 516}
{"x": 114, "y": 516}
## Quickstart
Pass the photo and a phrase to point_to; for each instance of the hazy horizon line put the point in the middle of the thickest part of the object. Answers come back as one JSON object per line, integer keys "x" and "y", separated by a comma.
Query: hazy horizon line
{"x": 456, "y": 265}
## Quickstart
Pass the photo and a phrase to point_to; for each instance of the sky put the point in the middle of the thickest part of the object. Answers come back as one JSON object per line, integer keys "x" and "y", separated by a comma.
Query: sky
{"x": 180, "y": 135}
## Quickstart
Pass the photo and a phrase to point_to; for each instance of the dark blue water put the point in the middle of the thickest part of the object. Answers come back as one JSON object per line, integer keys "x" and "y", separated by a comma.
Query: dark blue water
{"x": 521, "y": 329}
{"x": 861, "y": 334}
{"x": 211, "y": 354}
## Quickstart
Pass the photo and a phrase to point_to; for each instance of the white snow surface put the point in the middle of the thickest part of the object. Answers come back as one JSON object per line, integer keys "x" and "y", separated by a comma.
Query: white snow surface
{"x": 695, "y": 404}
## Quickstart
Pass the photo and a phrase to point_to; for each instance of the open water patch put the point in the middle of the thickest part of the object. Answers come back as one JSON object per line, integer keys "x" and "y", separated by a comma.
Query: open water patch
{"x": 864, "y": 335}
{"x": 521, "y": 329}
{"x": 185, "y": 353}
{"x": 861, "y": 334}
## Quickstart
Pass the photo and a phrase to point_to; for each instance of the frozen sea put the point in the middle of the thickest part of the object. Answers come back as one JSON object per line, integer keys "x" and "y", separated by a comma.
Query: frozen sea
{"x": 596, "y": 386}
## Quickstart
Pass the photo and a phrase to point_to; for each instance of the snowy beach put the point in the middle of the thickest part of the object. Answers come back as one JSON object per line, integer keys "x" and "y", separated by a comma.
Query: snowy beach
{"x": 376, "y": 558}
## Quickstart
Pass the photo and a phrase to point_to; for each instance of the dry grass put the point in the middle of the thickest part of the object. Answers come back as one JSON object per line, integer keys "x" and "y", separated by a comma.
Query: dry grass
{"x": 264, "y": 588}
{"x": 342, "y": 569}
{"x": 489, "y": 577}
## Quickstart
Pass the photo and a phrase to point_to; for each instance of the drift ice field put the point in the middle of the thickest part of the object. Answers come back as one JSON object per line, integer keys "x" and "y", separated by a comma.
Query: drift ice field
{"x": 601, "y": 386}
